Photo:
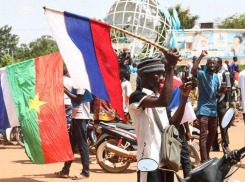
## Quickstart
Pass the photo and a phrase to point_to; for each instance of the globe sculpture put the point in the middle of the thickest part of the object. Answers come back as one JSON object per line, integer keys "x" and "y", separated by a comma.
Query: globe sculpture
{"x": 141, "y": 17}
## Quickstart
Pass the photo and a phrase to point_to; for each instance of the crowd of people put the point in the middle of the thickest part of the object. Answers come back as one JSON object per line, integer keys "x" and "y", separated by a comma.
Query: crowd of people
{"x": 211, "y": 92}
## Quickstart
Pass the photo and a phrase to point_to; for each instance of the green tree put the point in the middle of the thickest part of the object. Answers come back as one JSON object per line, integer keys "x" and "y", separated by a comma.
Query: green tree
{"x": 186, "y": 19}
{"x": 39, "y": 47}
{"x": 43, "y": 46}
{"x": 241, "y": 67}
{"x": 236, "y": 21}
{"x": 22, "y": 52}
{"x": 8, "y": 41}
{"x": 6, "y": 60}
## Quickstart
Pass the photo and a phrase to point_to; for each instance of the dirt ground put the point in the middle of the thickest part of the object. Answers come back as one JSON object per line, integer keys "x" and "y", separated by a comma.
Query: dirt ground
{"x": 16, "y": 167}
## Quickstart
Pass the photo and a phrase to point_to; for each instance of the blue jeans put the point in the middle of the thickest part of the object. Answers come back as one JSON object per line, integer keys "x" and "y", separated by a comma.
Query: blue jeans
{"x": 78, "y": 135}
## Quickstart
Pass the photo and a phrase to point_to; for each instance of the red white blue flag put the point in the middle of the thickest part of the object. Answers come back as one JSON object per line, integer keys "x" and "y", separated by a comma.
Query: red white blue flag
{"x": 85, "y": 46}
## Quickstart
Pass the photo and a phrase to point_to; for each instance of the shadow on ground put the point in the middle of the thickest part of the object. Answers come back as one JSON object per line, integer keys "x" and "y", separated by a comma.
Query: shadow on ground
{"x": 49, "y": 175}
{"x": 23, "y": 162}
{"x": 20, "y": 179}
{"x": 99, "y": 170}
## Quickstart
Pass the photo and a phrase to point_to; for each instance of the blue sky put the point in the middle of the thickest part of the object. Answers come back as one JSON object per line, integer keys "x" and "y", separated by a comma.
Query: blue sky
{"x": 28, "y": 20}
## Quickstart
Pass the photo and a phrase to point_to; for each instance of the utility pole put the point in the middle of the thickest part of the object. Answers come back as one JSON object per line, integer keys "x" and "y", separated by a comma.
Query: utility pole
{"x": 12, "y": 56}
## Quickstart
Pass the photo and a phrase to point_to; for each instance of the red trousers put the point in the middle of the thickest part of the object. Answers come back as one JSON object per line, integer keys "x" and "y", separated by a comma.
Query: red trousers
{"x": 208, "y": 128}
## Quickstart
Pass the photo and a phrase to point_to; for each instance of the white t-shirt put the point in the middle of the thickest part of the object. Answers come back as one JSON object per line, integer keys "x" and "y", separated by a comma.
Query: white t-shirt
{"x": 241, "y": 84}
{"x": 146, "y": 129}
{"x": 68, "y": 84}
{"x": 83, "y": 110}
{"x": 126, "y": 91}
{"x": 224, "y": 67}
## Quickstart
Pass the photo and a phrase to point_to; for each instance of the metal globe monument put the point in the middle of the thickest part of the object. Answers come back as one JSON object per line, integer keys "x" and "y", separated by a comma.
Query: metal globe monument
{"x": 141, "y": 17}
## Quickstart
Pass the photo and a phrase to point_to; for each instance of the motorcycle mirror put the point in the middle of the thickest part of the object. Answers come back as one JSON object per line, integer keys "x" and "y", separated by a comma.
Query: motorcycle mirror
{"x": 145, "y": 165}
{"x": 229, "y": 114}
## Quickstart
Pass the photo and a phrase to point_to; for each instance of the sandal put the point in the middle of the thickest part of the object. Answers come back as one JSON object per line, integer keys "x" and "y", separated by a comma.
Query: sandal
{"x": 61, "y": 174}
{"x": 79, "y": 176}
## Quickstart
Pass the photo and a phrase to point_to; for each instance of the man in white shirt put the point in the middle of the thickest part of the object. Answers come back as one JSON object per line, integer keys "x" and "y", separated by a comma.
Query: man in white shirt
{"x": 145, "y": 98}
{"x": 68, "y": 84}
{"x": 126, "y": 88}
{"x": 225, "y": 65}
{"x": 241, "y": 85}
{"x": 78, "y": 134}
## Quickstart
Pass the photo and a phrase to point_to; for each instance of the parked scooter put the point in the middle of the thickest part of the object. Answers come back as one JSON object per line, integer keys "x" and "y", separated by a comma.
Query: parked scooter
{"x": 91, "y": 137}
{"x": 218, "y": 170}
{"x": 15, "y": 134}
{"x": 116, "y": 146}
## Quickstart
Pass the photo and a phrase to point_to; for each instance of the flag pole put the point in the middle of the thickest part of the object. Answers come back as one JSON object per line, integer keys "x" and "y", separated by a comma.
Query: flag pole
{"x": 163, "y": 49}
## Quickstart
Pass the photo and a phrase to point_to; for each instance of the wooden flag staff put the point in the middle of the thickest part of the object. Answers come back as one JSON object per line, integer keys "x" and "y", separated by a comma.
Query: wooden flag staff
{"x": 163, "y": 49}
{"x": 143, "y": 39}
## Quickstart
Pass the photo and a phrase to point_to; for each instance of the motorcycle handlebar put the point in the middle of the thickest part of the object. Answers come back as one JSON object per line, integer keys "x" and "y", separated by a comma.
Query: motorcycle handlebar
{"x": 241, "y": 151}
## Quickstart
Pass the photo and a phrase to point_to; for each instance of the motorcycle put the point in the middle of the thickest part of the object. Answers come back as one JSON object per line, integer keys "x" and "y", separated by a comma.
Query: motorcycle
{"x": 91, "y": 137}
{"x": 116, "y": 146}
{"x": 218, "y": 170}
{"x": 15, "y": 134}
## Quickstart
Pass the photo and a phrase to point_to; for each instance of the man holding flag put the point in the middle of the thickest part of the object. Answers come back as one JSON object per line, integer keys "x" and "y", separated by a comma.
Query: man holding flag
{"x": 144, "y": 99}
{"x": 78, "y": 134}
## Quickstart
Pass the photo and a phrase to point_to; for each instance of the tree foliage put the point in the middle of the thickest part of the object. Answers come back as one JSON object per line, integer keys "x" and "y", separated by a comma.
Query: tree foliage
{"x": 186, "y": 19}
{"x": 8, "y": 41}
{"x": 40, "y": 47}
{"x": 5, "y": 61}
{"x": 241, "y": 67}
{"x": 236, "y": 21}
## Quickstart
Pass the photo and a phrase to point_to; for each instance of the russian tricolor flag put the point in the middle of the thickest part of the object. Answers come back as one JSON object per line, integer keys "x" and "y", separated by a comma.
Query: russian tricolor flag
{"x": 189, "y": 114}
{"x": 85, "y": 46}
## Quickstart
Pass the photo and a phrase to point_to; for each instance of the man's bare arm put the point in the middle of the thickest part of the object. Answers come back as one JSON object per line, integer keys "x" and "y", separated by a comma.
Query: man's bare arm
{"x": 76, "y": 98}
{"x": 196, "y": 65}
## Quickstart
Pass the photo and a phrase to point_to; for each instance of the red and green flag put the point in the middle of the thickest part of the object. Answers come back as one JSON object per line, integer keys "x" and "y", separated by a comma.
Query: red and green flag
{"x": 37, "y": 91}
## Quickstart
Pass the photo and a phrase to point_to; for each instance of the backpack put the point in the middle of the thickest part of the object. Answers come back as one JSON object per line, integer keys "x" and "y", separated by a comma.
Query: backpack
{"x": 170, "y": 144}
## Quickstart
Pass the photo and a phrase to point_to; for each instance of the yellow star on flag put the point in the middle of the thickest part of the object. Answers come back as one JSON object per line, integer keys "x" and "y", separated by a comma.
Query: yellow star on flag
{"x": 35, "y": 104}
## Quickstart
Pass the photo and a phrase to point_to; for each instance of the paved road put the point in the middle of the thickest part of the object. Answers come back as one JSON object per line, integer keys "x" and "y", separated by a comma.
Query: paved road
{"x": 16, "y": 167}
